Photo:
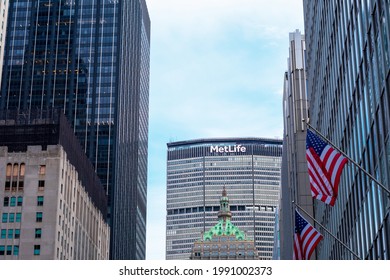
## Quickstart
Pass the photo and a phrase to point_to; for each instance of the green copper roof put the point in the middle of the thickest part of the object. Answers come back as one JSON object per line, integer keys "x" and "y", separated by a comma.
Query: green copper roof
{"x": 224, "y": 227}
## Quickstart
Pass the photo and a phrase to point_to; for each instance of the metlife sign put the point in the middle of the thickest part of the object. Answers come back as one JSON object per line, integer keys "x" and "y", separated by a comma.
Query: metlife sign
{"x": 228, "y": 149}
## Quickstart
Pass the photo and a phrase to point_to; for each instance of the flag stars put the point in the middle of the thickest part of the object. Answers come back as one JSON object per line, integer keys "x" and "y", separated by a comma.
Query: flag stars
{"x": 300, "y": 223}
{"x": 313, "y": 141}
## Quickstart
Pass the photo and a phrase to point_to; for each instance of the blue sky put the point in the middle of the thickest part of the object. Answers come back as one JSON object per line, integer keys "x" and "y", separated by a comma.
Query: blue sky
{"x": 216, "y": 70}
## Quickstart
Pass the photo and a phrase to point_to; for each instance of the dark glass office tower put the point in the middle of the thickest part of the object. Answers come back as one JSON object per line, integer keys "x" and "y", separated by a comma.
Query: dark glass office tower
{"x": 91, "y": 59}
{"x": 348, "y": 84}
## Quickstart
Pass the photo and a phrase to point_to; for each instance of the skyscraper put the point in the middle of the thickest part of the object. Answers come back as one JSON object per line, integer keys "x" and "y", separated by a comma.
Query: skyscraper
{"x": 3, "y": 27}
{"x": 197, "y": 170}
{"x": 295, "y": 178}
{"x": 348, "y": 84}
{"x": 91, "y": 59}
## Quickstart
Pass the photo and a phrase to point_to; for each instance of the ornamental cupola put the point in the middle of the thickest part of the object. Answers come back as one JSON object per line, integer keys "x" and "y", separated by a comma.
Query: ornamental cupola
{"x": 224, "y": 210}
{"x": 224, "y": 227}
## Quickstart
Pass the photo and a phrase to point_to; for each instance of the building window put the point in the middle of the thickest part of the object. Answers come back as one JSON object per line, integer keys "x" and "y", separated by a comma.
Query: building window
{"x": 15, "y": 171}
{"x": 14, "y": 186}
{"x": 22, "y": 171}
{"x": 14, "y": 177}
{"x": 18, "y": 217}
{"x": 20, "y": 200}
{"x": 21, "y": 186}
{"x": 16, "y": 250}
{"x": 9, "y": 250}
{"x": 8, "y": 171}
{"x": 2, "y": 250}
{"x": 11, "y": 217}
{"x": 38, "y": 233}
{"x": 7, "y": 186}
{"x": 6, "y": 201}
{"x": 12, "y": 201}
{"x": 3, "y": 234}
{"x": 37, "y": 250}
{"x": 10, "y": 233}
{"x": 42, "y": 169}
{"x": 38, "y": 217}
{"x": 41, "y": 185}
{"x": 4, "y": 218}
{"x": 40, "y": 201}
{"x": 17, "y": 233}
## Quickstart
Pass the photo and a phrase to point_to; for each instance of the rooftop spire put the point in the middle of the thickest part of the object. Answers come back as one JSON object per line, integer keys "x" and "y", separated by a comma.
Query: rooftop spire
{"x": 224, "y": 193}
{"x": 224, "y": 225}
{"x": 224, "y": 212}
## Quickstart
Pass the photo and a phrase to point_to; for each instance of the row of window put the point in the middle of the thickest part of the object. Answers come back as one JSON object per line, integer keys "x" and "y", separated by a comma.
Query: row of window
{"x": 16, "y": 170}
{"x": 14, "y": 180}
{"x": 11, "y": 218}
{"x": 17, "y": 217}
{"x": 225, "y": 246}
{"x": 13, "y": 201}
{"x": 225, "y": 254}
{"x": 9, "y": 250}
{"x": 12, "y": 234}
{"x": 19, "y": 185}
{"x": 15, "y": 233}
{"x": 18, "y": 201}
{"x": 217, "y": 208}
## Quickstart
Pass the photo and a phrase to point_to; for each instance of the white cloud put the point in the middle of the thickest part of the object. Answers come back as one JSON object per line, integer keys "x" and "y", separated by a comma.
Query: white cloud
{"x": 261, "y": 17}
{"x": 217, "y": 70}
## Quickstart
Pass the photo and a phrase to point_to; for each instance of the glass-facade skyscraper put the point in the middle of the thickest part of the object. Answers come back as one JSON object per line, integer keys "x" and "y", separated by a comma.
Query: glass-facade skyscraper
{"x": 197, "y": 172}
{"x": 348, "y": 85}
{"x": 91, "y": 59}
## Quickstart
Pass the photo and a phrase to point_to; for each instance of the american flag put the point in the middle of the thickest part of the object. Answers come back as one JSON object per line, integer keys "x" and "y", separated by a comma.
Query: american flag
{"x": 325, "y": 165}
{"x": 306, "y": 238}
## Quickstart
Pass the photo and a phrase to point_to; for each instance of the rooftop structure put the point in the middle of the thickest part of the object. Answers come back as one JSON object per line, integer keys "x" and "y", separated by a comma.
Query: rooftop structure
{"x": 224, "y": 240}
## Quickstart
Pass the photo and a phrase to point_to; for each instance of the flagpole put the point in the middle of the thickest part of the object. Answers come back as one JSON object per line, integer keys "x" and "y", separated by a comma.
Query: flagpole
{"x": 351, "y": 160}
{"x": 331, "y": 234}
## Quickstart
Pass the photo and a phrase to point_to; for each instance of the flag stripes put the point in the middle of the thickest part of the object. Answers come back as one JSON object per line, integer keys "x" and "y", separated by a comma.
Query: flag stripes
{"x": 306, "y": 238}
{"x": 325, "y": 166}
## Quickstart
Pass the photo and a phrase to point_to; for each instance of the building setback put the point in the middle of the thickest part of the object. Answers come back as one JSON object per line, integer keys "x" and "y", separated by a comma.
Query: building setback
{"x": 348, "y": 84}
{"x": 91, "y": 59}
{"x": 197, "y": 170}
{"x": 53, "y": 205}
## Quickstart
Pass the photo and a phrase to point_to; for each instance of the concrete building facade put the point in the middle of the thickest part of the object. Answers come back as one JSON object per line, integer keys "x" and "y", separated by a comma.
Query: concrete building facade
{"x": 53, "y": 205}
{"x": 295, "y": 178}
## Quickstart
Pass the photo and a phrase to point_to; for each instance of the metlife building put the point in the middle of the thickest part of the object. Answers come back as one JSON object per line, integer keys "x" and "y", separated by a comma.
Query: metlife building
{"x": 197, "y": 171}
